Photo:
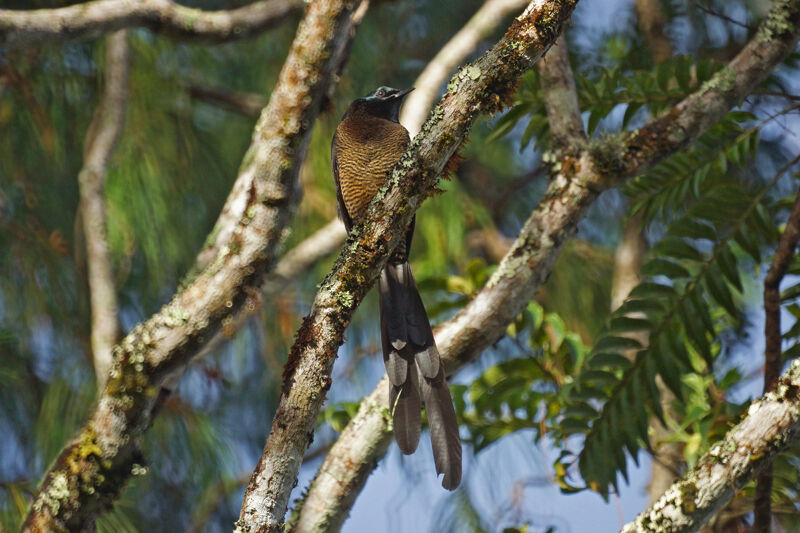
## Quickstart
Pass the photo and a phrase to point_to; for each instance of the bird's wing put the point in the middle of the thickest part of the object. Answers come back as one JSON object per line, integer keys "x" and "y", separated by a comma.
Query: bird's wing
{"x": 348, "y": 222}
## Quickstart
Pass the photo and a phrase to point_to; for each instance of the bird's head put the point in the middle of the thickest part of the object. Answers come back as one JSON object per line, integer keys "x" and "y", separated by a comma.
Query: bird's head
{"x": 383, "y": 102}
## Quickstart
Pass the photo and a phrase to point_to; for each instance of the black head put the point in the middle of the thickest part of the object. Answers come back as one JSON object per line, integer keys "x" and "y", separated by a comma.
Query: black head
{"x": 383, "y": 102}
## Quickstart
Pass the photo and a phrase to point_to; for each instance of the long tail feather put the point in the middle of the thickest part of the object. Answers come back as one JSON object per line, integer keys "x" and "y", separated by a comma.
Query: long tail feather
{"x": 412, "y": 363}
{"x": 407, "y": 418}
{"x": 444, "y": 429}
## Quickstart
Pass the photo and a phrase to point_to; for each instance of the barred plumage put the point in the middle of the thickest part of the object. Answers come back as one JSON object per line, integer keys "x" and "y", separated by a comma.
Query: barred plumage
{"x": 366, "y": 145}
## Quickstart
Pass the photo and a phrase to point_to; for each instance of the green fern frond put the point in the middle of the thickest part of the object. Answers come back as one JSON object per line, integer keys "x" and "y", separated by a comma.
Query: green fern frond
{"x": 684, "y": 279}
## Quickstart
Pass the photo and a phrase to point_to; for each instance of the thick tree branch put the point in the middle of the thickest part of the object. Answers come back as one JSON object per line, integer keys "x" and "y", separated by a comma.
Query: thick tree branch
{"x": 317, "y": 246}
{"x": 478, "y": 88}
{"x": 772, "y": 351}
{"x": 771, "y": 426}
{"x": 606, "y": 162}
{"x": 91, "y": 470}
{"x": 560, "y": 96}
{"x": 102, "y": 137}
{"x": 20, "y": 29}
{"x": 429, "y": 83}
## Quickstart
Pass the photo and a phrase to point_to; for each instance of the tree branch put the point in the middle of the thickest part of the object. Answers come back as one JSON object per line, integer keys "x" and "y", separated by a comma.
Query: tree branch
{"x": 560, "y": 96}
{"x": 429, "y": 83}
{"x": 578, "y": 181}
{"x": 652, "y": 22}
{"x": 772, "y": 351}
{"x": 244, "y": 103}
{"x": 771, "y": 426}
{"x": 19, "y": 29}
{"x": 320, "y": 244}
{"x": 92, "y": 469}
{"x": 481, "y": 87}
{"x": 101, "y": 139}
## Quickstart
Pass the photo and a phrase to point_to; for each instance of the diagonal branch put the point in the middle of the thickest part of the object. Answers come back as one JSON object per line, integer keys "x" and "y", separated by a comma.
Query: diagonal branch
{"x": 578, "y": 181}
{"x": 19, "y": 29}
{"x": 101, "y": 139}
{"x": 482, "y": 87}
{"x": 429, "y": 83}
{"x": 320, "y": 244}
{"x": 238, "y": 199}
{"x": 772, "y": 351}
{"x": 331, "y": 236}
{"x": 92, "y": 469}
{"x": 771, "y": 426}
{"x": 244, "y": 103}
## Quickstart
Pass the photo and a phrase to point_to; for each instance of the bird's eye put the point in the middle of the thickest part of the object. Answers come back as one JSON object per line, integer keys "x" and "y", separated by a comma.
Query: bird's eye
{"x": 381, "y": 92}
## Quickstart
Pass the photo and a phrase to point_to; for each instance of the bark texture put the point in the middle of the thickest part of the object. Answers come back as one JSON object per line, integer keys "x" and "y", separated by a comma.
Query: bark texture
{"x": 576, "y": 182}
{"x": 773, "y": 360}
{"x": 101, "y": 139}
{"x": 91, "y": 470}
{"x": 560, "y": 97}
{"x": 429, "y": 83}
{"x": 772, "y": 425}
{"x": 19, "y": 29}
{"x": 482, "y": 87}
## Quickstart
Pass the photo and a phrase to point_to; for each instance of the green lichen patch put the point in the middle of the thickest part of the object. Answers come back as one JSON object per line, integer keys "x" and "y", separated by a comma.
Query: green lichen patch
{"x": 722, "y": 81}
{"x": 777, "y": 23}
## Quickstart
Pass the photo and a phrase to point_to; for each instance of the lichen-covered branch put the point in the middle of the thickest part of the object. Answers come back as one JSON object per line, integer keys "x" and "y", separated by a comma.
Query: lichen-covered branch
{"x": 19, "y": 29}
{"x": 92, "y": 469}
{"x": 101, "y": 138}
{"x": 320, "y": 244}
{"x": 773, "y": 360}
{"x": 481, "y": 87}
{"x": 429, "y": 83}
{"x": 577, "y": 181}
{"x": 772, "y": 424}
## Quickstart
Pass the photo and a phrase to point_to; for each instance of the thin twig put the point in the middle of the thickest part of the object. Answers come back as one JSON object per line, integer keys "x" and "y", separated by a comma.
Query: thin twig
{"x": 708, "y": 11}
{"x": 101, "y": 139}
{"x": 244, "y": 103}
{"x": 772, "y": 352}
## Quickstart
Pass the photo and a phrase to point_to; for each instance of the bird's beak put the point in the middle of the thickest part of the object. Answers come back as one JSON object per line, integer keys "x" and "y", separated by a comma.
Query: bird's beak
{"x": 402, "y": 94}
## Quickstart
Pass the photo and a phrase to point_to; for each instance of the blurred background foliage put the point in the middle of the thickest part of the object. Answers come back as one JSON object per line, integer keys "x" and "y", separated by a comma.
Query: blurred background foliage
{"x": 563, "y": 360}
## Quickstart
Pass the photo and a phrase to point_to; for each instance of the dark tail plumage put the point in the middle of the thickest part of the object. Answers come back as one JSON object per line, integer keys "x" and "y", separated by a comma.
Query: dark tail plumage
{"x": 412, "y": 363}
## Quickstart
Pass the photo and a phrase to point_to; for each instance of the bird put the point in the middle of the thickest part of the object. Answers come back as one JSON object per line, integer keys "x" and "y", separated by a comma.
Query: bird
{"x": 367, "y": 143}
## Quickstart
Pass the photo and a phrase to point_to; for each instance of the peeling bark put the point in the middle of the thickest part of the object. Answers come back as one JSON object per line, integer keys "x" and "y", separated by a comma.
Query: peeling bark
{"x": 772, "y": 425}
{"x": 20, "y": 29}
{"x": 101, "y": 139}
{"x": 577, "y": 182}
{"x": 481, "y": 87}
{"x": 93, "y": 468}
